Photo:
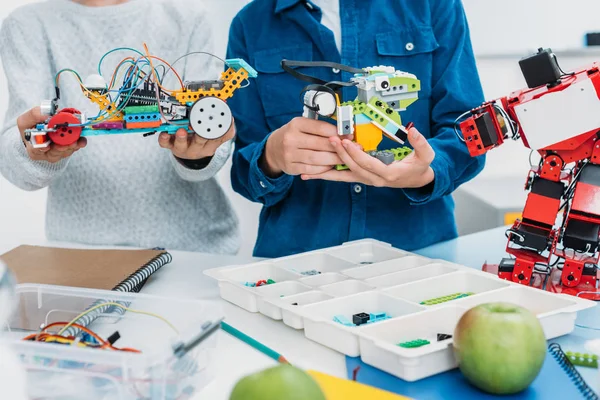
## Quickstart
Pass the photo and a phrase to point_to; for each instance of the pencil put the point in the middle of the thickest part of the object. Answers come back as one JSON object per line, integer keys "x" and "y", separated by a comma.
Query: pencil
{"x": 254, "y": 343}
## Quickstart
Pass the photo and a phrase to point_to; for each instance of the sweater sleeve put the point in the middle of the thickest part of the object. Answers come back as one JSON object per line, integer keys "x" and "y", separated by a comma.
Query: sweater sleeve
{"x": 456, "y": 89}
{"x": 202, "y": 66}
{"x": 27, "y": 67}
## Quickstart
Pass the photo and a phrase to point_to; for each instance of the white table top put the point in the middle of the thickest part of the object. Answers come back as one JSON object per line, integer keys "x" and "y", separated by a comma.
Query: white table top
{"x": 184, "y": 278}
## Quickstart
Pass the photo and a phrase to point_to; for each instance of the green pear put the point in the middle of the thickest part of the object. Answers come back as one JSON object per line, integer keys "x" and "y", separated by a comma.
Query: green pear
{"x": 283, "y": 382}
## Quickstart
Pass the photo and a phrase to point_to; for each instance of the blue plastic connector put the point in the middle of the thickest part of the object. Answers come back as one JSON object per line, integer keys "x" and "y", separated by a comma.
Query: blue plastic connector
{"x": 237, "y": 63}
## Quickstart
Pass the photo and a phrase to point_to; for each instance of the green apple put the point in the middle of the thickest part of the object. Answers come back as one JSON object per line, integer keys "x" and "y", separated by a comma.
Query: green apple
{"x": 500, "y": 347}
{"x": 283, "y": 382}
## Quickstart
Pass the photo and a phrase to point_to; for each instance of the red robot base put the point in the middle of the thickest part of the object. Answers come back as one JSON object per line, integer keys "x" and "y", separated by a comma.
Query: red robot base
{"x": 555, "y": 245}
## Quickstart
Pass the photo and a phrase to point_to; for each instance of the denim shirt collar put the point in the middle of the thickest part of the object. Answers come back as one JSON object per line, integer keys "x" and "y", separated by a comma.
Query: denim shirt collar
{"x": 283, "y": 5}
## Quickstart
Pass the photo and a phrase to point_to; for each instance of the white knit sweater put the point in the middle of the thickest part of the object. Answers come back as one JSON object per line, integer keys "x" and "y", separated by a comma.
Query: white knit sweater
{"x": 119, "y": 190}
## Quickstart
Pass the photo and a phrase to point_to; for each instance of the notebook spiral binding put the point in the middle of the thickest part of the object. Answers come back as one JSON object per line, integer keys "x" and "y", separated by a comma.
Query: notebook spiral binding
{"x": 564, "y": 362}
{"x": 132, "y": 284}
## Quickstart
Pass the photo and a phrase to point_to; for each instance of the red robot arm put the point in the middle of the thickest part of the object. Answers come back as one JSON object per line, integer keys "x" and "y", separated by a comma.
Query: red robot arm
{"x": 556, "y": 243}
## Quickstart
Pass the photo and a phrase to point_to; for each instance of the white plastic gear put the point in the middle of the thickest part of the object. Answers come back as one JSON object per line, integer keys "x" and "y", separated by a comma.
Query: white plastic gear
{"x": 210, "y": 118}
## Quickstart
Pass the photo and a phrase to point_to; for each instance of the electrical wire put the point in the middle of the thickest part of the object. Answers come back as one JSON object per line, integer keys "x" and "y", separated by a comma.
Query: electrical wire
{"x": 456, "y": 122}
{"x": 44, "y": 336}
{"x": 115, "y": 50}
{"x": 72, "y": 323}
{"x": 150, "y": 57}
{"x": 189, "y": 54}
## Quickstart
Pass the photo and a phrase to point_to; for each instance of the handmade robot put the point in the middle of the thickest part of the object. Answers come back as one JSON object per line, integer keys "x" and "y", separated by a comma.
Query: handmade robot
{"x": 382, "y": 93}
{"x": 141, "y": 104}
{"x": 555, "y": 245}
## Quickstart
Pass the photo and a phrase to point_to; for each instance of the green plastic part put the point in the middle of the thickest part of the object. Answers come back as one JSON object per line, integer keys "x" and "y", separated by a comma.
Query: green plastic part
{"x": 384, "y": 110}
{"x": 413, "y": 344}
{"x": 583, "y": 360}
{"x": 401, "y": 153}
{"x": 141, "y": 109}
{"x": 443, "y": 299}
{"x": 358, "y": 107}
{"x": 270, "y": 281}
{"x": 412, "y": 84}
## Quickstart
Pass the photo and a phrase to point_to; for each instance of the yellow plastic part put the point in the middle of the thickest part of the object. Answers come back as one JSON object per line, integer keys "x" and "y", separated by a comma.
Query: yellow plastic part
{"x": 368, "y": 136}
{"x": 343, "y": 389}
{"x": 102, "y": 101}
{"x": 229, "y": 77}
{"x": 511, "y": 217}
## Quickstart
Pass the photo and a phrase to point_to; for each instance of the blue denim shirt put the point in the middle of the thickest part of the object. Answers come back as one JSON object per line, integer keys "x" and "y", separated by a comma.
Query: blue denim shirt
{"x": 429, "y": 38}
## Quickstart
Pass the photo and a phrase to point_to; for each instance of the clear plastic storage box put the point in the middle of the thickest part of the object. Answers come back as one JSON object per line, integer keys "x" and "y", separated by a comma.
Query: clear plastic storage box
{"x": 58, "y": 371}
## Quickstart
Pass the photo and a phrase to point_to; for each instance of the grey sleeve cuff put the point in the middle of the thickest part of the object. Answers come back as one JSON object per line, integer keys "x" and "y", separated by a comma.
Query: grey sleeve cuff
{"x": 216, "y": 163}
{"x": 19, "y": 169}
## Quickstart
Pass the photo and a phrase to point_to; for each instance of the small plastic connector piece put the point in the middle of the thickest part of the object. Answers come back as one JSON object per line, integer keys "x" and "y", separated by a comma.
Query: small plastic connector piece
{"x": 583, "y": 359}
{"x": 377, "y": 317}
{"x": 237, "y": 63}
{"x": 443, "y": 299}
{"x": 413, "y": 344}
{"x": 113, "y": 338}
{"x": 294, "y": 304}
{"x": 340, "y": 319}
{"x": 386, "y": 157}
{"x": 270, "y": 281}
{"x": 443, "y": 336}
{"x": 311, "y": 272}
{"x": 360, "y": 318}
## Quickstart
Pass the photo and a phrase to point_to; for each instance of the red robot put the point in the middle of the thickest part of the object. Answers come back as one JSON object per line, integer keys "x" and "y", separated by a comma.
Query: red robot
{"x": 555, "y": 245}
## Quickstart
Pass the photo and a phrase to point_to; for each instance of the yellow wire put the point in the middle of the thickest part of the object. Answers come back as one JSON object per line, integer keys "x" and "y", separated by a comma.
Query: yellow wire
{"x": 120, "y": 306}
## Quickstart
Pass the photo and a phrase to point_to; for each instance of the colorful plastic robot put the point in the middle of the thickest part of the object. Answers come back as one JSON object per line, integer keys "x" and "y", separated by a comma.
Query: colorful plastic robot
{"x": 382, "y": 93}
{"x": 142, "y": 105}
{"x": 555, "y": 245}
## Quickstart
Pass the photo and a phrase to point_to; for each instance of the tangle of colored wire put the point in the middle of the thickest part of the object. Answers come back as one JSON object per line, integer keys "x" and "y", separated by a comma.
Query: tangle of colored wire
{"x": 72, "y": 323}
{"x": 46, "y": 337}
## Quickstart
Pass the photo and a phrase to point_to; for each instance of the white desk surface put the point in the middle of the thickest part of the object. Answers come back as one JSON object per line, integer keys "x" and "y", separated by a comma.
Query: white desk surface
{"x": 184, "y": 278}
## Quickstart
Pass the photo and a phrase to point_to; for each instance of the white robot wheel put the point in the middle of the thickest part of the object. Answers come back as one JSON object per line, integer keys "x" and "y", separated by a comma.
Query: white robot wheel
{"x": 210, "y": 118}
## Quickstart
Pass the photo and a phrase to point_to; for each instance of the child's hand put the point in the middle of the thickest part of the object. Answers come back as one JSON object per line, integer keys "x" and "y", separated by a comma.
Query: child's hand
{"x": 190, "y": 146}
{"x": 412, "y": 172}
{"x": 53, "y": 153}
{"x": 300, "y": 147}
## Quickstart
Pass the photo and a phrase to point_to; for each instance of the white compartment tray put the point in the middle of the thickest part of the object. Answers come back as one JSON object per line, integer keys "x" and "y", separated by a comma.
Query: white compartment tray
{"x": 367, "y": 276}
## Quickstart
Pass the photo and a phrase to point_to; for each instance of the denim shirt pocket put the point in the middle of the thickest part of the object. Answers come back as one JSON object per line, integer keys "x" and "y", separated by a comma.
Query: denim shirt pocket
{"x": 410, "y": 49}
{"x": 279, "y": 91}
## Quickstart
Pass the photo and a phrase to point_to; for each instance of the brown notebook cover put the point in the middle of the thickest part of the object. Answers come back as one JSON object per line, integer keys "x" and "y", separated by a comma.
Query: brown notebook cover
{"x": 93, "y": 269}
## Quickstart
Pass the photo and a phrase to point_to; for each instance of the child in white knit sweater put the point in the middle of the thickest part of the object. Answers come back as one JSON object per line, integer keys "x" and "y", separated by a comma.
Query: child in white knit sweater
{"x": 117, "y": 190}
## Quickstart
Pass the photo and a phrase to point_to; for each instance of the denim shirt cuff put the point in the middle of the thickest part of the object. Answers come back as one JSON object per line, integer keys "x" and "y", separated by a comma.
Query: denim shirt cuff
{"x": 261, "y": 183}
{"x": 435, "y": 189}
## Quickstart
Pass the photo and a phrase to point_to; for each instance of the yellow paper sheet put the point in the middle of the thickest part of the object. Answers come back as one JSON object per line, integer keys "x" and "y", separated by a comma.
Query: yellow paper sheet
{"x": 343, "y": 389}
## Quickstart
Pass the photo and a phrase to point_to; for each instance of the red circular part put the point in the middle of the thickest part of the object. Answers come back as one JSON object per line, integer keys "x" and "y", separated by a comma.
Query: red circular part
{"x": 64, "y": 135}
{"x": 70, "y": 111}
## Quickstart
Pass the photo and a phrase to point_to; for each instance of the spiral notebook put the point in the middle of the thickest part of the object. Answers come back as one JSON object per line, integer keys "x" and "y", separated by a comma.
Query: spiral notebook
{"x": 558, "y": 379}
{"x": 119, "y": 270}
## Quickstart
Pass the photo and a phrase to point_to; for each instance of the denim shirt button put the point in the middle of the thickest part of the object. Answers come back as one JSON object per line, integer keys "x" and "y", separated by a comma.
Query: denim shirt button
{"x": 357, "y": 189}
{"x": 262, "y": 185}
{"x": 335, "y": 70}
{"x": 410, "y": 46}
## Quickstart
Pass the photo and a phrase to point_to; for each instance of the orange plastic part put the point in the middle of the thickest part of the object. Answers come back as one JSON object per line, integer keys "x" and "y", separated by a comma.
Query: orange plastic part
{"x": 141, "y": 125}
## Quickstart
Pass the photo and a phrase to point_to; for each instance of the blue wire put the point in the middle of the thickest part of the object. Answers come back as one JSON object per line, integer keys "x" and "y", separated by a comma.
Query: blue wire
{"x": 112, "y": 51}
